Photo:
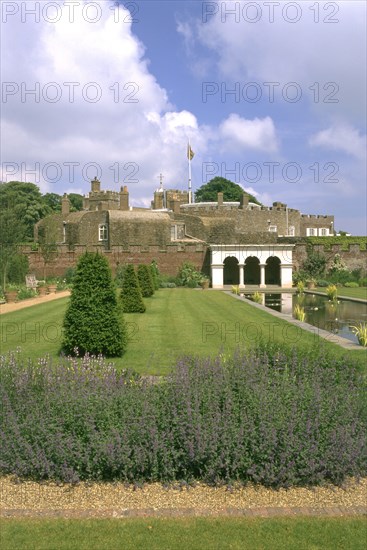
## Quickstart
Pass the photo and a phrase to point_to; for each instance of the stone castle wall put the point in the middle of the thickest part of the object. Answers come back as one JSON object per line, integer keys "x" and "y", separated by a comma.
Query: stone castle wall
{"x": 170, "y": 257}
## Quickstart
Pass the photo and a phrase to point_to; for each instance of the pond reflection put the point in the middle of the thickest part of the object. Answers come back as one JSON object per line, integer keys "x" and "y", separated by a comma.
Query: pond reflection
{"x": 334, "y": 316}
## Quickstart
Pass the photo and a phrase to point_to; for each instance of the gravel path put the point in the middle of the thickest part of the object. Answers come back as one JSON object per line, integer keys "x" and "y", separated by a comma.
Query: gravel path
{"x": 29, "y": 499}
{"x": 7, "y": 308}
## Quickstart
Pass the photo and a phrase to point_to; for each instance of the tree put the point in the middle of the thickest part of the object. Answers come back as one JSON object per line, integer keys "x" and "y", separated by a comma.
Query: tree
{"x": 12, "y": 233}
{"x": 231, "y": 191}
{"x": 93, "y": 322}
{"x": 131, "y": 296}
{"x": 76, "y": 201}
{"x": 145, "y": 281}
{"x": 26, "y": 201}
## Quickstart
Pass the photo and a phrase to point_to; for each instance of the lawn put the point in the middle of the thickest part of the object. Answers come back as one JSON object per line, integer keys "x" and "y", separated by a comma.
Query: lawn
{"x": 360, "y": 292}
{"x": 194, "y": 533}
{"x": 177, "y": 322}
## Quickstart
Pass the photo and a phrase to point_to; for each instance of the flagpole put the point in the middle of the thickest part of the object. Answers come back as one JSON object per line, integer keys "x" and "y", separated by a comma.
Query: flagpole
{"x": 189, "y": 155}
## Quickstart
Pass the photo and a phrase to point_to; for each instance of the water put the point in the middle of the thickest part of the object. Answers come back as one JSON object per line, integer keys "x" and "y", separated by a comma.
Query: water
{"x": 334, "y": 316}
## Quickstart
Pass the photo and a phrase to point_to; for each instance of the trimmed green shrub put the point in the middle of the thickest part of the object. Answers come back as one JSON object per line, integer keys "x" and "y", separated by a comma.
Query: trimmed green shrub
{"x": 145, "y": 280}
{"x": 131, "y": 297}
{"x": 363, "y": 281}
{"x": 322, "y": 283}
{"x": 351, "y": 284}
{"x": 93, "y": 323}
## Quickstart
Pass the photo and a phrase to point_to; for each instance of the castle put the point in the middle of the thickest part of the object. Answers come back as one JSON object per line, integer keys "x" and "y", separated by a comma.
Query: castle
{"x": 233, "y": 242}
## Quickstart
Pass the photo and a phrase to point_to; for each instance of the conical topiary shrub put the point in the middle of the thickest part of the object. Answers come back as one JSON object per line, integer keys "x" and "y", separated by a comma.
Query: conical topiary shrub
{"x": 145, "y": 281}
{"x": 131, "y": 297}
{"x": 92, "y": 322}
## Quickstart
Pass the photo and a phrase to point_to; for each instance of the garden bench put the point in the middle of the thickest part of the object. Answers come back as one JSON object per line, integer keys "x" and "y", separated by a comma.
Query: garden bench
{"x": 31, "y": 282}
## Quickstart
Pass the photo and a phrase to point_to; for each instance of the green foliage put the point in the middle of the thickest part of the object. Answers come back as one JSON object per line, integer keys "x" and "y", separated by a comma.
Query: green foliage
{"x": 92, "y": 322}
{"x": 360, "y": 331}
{"x": 76, "y": 202}
{"x": 351, "y": 284}
{"x": 300, "y": 287}
{"x": 299, "y": 313}
{"x": 189, "y": 276}
{"x": 131, "y": 296}
{"x": 231, "y": 191}
{"x": 344, "y": 241}
{"x": 53, "y": 202}
{"x": 332, "y": 292}
{"x": 235, "y": 290}
{"x": 26, "y": 201}
{"x": 145, "y": 280}
{"x": 155, "y": 274}
{"x": 322, "y": 283}
{"x": 12, "y": 233}
{"x": 257, "y": 297}
{"x": 315, "y": 264}
{"x": 69, "y": 275}
{"x": 363, "y": 281}
{"x": 119, "y": 276}
{"x": 25, "y": 293}
{"x": 18, "y": 268}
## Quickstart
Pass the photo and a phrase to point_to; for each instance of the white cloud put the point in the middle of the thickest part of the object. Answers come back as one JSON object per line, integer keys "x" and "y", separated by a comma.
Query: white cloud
{"x": 305, "y": 52}
{"x": 341, "y": 138}
{"x": 132, "y": 124}
{"x": 256, "y": 134}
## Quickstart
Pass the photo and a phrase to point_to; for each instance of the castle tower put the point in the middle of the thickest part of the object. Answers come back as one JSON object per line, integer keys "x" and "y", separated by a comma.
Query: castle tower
{"x": 95, "y": 185}
{"x": 65, "y": 204}
{"x": 124, "y": 198}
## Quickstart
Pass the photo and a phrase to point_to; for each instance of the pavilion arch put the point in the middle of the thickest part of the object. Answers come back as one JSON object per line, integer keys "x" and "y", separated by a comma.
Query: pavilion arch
{"x": 231, "y": 274}
{"x": 246, "y": 264}
{"x": 272, "y": 271}
{"x": 252, "y": 271}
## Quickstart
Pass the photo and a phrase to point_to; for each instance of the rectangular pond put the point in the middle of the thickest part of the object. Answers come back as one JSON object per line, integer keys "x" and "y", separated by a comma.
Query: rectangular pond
{"x": 336, "y": 317}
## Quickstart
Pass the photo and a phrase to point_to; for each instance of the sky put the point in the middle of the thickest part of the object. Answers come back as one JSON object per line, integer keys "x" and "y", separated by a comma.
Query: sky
{"x": 271, "y": 95}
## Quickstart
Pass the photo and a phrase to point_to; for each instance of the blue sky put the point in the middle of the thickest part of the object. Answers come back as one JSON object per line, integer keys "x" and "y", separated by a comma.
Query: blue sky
{"x": 270, "y": 94}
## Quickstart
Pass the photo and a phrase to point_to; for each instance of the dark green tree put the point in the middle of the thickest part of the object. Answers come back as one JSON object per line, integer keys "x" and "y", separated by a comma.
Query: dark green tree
{"x": 131, "y": 296}
{"x": 26, "y": 201}
{"x": 53, "y": 202}
{"x": 145, "y": 281}
{"x": 76, "y": 201}
{"x": 231, "y": 191}
{"x": 93, "y": 322}
{"x": 12, "y": 233}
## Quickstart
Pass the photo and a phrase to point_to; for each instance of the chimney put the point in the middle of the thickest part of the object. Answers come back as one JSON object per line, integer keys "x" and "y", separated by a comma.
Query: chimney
{"x": 124, "y": 198}
{"x": 65, "y": 204}
{"x": 95, "y": 186}
{"x": 244, "y": 201}
{"x": 175, "y": 206}
{"x": 220, "y": 199}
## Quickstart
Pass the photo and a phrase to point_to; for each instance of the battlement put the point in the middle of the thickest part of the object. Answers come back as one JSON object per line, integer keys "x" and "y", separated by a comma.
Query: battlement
{"x": 316, "y": 216}
{"x": 104, "y": 195}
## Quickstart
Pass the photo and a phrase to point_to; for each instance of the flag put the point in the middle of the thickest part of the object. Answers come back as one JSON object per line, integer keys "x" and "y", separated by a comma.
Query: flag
{"x": 190, "y": 152}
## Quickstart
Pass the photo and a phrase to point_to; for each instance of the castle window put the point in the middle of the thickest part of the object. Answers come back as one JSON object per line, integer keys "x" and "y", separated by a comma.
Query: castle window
{"x": 102, "y": 232}
{"x": 291, "y": 231}
{"x": 64, "y": 232}
{"x": 311, "y": 232}
{"x": 324, "y": 232}
{"x": 273, "y": 228}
